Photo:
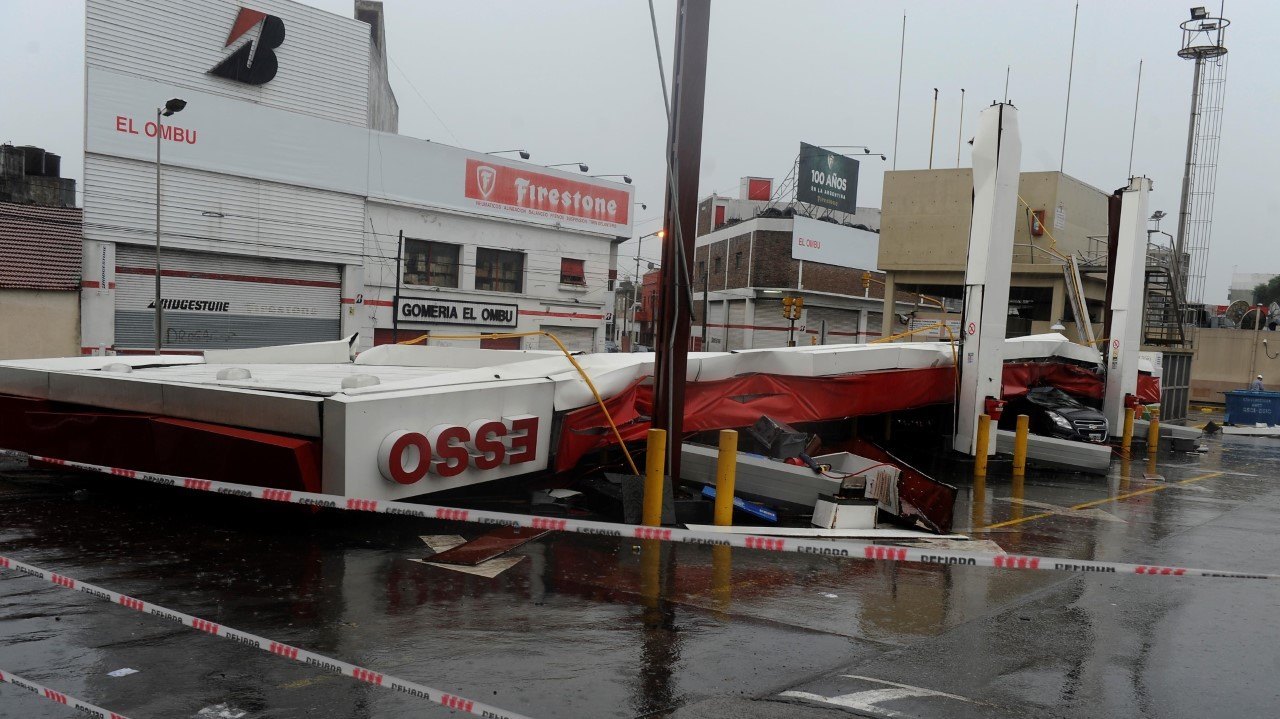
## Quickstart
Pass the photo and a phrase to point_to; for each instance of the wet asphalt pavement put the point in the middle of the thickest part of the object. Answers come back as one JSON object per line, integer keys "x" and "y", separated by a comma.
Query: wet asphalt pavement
{"x": 585, "y": 626}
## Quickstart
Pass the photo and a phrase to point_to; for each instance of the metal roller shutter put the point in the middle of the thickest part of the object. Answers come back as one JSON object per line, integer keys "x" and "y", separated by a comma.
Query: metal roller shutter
{"x": 736, "y": 336}
{"x": 715, "y": 327}
{"x": 769, "y": 328}
{"x": 225, "y": 301}
{"x": 576, "y": 339}
{"x": 842, "y": 325}
{"x": 874, "y": 319}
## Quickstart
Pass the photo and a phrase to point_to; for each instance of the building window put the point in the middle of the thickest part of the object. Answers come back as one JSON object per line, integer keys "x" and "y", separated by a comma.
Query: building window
{"x": 499, "y": 270}
{"x": 430, "y": 263}
{"x": 572, "y": 272}
{"x": 737, "y": 261}
{"x": 719, "y": 264}
{"x": 702, "y": 268}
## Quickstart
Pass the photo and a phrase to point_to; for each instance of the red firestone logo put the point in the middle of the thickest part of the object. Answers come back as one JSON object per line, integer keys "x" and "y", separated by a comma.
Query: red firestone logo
{"x": 539, "y": 193}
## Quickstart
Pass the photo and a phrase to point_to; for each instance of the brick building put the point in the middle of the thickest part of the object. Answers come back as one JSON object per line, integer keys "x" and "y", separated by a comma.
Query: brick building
{"x": 749, "y": 255}
{"x": 41, "y": 232}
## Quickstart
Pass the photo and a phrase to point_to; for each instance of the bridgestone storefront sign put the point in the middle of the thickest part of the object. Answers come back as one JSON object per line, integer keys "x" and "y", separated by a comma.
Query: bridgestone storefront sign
{"x": 827, "y": 179}
{"x": 418, "y": 310}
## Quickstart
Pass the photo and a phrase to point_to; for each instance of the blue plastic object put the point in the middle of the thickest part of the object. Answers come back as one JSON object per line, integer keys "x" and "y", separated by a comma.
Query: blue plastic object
{"x": 740, "y": 504}
{"x": 1247, "y": 408}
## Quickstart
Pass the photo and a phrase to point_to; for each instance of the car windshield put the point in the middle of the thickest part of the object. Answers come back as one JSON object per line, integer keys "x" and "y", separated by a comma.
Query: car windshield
{"x": 1053, "y": 398}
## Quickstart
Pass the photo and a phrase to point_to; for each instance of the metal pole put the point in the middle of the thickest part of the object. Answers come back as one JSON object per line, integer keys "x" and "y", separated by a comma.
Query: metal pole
{"x": 159, "y": 311}
{"x": 960, "y": 132}
{"x": 902, "y": 50}
{"x": 684, "y": 159}
{"x": 1184, "y": 208}
{"x": 395, "y": 301}
{"x": 706, "y": 300}
{"x": 934, "y": 128}
{"x": 1133, "y": 136}
{"x": 1071, "y": 66}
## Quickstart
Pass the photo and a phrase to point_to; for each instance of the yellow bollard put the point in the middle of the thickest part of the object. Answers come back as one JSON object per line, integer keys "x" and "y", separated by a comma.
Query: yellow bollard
{"x": 1126, "y": 440}
{"x": 726, "y": 468}
{"x": 1020, "y": 446}
{"x": 1153, "y": 434}
{"x": 980, "y": 451}
{"x": 655, "y": 464}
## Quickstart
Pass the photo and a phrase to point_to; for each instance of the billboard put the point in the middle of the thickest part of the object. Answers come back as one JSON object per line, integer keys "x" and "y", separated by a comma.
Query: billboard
{"x": 827, "y": 179}
{"x": 831, "y": 244}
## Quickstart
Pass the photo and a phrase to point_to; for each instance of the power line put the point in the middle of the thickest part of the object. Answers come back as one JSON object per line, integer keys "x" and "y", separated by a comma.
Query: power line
{"x": 424, "y": 101}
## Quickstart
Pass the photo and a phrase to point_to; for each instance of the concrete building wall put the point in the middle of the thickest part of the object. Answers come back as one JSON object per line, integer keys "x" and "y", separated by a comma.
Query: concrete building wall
{"x": 39, "y": 323}
{"x": 925, "y": 236}
{"x": 384, "y": 111}
{"x": 1229, "y": 359}
{"x": 926, "y": 216}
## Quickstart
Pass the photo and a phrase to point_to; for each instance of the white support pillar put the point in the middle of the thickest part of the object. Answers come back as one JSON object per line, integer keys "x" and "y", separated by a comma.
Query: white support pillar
{"x": 352, "y": 318}
{"x": 98, "y": 297}
{"x": 1126, "y": 302}
{"x": 997, "y": 154}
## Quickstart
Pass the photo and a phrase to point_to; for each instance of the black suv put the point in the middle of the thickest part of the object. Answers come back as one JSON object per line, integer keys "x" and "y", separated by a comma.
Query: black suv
{"x": 1055, "y": 413}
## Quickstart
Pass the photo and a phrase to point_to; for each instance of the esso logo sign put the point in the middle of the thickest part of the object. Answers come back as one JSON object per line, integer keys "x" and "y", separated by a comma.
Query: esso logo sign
{"x": 447, "y": 450}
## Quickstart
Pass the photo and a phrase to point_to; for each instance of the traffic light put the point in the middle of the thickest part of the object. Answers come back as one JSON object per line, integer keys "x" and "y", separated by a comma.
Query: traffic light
{"x": 796, "y": 308}
{"x": 791, "y": 307}
{"x": 866, "y": 280}
{"x": 786, "y": 307}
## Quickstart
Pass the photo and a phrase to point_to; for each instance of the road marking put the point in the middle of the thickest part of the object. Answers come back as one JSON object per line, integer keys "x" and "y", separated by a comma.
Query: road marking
{"x": 1104, "y": 500}
{"x": 931, "y": 692}
{"x": 1064, "y": 511}
{"x": 868, "y": 701}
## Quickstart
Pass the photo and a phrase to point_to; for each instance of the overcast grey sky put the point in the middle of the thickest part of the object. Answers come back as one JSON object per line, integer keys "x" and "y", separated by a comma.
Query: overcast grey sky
{"x": 575, "y": 80}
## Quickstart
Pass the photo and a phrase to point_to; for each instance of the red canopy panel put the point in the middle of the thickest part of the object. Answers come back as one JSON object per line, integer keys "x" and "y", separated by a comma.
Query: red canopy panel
{"x": 1148, "y": 388}
{"x": 740, "y": 401}
{"x": 163, "y": 445}
{"x": 1020, "y": 376}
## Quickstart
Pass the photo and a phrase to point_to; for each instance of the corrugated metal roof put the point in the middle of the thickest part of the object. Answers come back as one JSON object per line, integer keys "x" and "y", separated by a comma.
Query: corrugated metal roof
{"x": 40, "y": 247}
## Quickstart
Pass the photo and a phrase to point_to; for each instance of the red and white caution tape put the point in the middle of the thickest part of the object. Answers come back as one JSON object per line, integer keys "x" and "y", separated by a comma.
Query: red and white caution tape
{"x": 834, "y": 548}
{"x": 58, "y": 697}
{"x": 452, "y": 701}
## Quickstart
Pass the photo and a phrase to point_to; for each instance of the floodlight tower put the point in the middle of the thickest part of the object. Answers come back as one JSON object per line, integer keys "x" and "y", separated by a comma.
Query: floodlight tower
{"x": 1202, "y": 41}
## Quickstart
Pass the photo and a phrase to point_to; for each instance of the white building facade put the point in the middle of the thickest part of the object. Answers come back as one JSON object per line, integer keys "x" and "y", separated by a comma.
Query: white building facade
{"x": 285, "y": 194}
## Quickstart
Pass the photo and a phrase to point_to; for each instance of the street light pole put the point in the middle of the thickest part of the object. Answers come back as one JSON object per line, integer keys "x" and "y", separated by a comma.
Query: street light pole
{"x": 170, "y": 107}
{"x": 159, "y": 112}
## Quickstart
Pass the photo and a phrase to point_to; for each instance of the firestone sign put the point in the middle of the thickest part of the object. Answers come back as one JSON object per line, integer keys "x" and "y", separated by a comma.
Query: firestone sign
{"x": 535, "y": 193}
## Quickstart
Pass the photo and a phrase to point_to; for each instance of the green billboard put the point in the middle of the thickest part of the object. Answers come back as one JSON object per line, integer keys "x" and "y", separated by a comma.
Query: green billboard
{"x": 827, "y": 179}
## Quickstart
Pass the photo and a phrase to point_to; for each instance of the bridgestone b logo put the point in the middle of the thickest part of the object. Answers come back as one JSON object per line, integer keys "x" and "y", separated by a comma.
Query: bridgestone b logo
{"x": 254, "y": 63}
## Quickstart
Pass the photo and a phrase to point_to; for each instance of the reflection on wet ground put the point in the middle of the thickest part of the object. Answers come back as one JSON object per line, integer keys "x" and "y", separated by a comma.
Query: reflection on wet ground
{"x": 600, "y": 627}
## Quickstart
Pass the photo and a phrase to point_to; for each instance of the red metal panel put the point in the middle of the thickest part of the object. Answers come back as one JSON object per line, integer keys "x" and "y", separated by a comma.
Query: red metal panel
{"x": 759, "y": 189}
{"x": 740, "y": 401}
{"x": 1018, "y": 377}
{"x": 487, "y": 546}
{"x": 159, "y": 444}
